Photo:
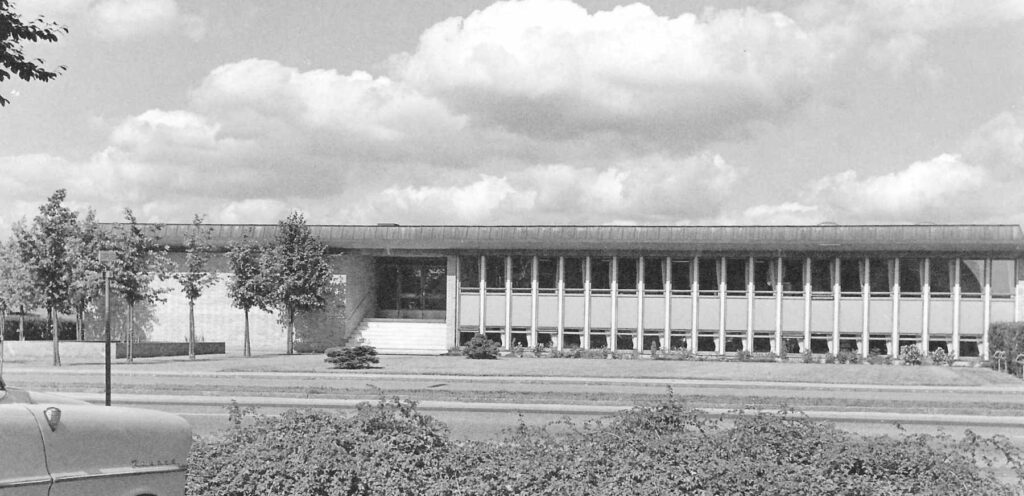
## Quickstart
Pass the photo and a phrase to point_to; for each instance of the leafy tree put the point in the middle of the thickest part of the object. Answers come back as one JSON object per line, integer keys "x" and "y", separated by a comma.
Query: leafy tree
{"x": 44, "y": 248}
{"x": 249, "y": 285}
{"x": 138, "y": 263}
{"x": 194, "y": 279}
{"x": 300, "y": 273}
{"x": 17, "y": 291}
{"x": 13, "y": 33}
{"x": 86, "y": 270}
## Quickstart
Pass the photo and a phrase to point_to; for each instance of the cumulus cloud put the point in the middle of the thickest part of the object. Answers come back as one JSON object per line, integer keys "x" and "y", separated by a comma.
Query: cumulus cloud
{"x": 984, "y": 182}
{"x": 550, "y": 68}
{"x": 654, "y": 189}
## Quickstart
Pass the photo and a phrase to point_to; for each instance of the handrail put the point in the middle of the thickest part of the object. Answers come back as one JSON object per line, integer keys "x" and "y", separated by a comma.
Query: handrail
{"x": 355, "y": 311}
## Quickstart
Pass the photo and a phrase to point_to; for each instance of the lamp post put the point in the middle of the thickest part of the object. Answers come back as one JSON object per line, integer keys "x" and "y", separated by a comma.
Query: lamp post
{"x": 106, "y": 256}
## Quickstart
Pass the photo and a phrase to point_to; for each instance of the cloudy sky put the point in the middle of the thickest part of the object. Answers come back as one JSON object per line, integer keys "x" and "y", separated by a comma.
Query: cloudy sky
{"x": 535, "y": 111}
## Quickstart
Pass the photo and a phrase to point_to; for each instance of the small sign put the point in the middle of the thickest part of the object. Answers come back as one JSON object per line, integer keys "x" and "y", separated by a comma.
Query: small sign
{"x": 107, "y": 256}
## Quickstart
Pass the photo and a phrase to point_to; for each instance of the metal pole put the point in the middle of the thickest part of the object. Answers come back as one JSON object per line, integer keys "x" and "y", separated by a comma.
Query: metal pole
{"x": 106, "y": 328}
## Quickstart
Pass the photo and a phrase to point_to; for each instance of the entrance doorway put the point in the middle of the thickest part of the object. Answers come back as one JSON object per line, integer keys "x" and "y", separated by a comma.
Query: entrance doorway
{"x": 411, "y": 288}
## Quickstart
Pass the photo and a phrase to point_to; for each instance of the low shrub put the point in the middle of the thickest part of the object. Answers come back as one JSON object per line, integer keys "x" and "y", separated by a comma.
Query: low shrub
{"x": 830, "y": 358}
{"x": 660, "y": 448}
{"x": 674, "y": 354}
{"x": 876, "y": 358}
{"x": 940, "y": 357}
{"x": 808, "y": 357}
{"x": 847, "y": 356}
{"x": 911, "y": 355}
{"x": 480, "y": 348}
{"x": 743, "y": 356}
{"x": 359, "y": 357}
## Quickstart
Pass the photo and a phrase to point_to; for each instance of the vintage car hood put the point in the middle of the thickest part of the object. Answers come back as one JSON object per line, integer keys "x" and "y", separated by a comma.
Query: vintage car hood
{"x": 18, "y": 395}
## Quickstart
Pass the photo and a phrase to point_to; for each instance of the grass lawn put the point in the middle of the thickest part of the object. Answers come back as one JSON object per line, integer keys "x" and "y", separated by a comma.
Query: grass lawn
{"x": 644, "y": 368}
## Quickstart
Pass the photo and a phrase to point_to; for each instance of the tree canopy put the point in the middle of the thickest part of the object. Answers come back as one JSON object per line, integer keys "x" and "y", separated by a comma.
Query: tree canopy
{"x": 14, "y": 32}
{"x": 302, "y": 276}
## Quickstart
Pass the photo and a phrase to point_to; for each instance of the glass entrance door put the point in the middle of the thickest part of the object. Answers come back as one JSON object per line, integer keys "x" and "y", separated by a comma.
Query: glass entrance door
{"x": 411, "y": 288}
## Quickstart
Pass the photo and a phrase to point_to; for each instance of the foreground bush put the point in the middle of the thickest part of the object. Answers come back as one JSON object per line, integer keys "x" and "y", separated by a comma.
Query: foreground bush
{"x": 480, "y": 348}
{"x": 664, "y": 448}
{"x": 359, "y": 357}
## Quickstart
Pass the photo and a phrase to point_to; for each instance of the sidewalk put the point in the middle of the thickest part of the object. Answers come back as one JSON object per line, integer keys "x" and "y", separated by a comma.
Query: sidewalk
{"x": 549, "y": 408}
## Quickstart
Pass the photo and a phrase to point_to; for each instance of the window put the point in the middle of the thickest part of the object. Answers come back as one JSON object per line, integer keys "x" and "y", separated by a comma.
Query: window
{"x": 821, "y": 276}
{"x": 547, "y": 274}
{"x": 792, "y": 276}
{"x": 573, "y": 273}
{"x": 763, "y": 277}
{"x": 494, "y": 271}
{"x": 972, "y": 278}
{"x": 1004, "y": 278}
{"x": 681, "y": 280}
{"x": 881, "y": 278}
{"x": 941, "y": 272}
{"x": 600, "y": 274}
{"x": 627, "y": 274}
{"x": 910, "y": 277}
{"x": 522, "y": 274}
{"x": 850, "y": 277}
{"x": 707, "y": 275}
{"x": 654, "y": 275}
{"x": 469, "y": 273}
{"x": 736, "y": 276}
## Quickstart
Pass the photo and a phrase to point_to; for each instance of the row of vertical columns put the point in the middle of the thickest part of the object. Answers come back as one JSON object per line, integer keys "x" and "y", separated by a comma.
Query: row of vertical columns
{"x": 925, "y": 335}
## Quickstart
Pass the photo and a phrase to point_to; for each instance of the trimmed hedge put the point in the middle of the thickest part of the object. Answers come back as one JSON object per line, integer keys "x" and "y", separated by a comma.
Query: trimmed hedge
{"x": 664, "y": 448}
{"x": 359, "y": 357}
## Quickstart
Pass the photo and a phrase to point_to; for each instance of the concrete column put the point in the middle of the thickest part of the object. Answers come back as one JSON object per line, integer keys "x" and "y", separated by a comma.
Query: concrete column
{"x": 694, "y": 302}
{"x": 641, "y": 285}
{"x": 667, "y": 279}
{"x": 926, "y": 302}
{"x": 778, "y": 305}
{"x": 721, "y": 305}
{"x": 452, "y": 290}
{"x": 837, "y": 292}
{"x": 749, "y": 346}
{"x": 483, "y": 293}
{"x": 865, "y": 296}
{"x": 807, "y": 304}
{"x": 586, "y": 302}
{"x": 508, "y": 302}
{"x": 613, "y": 334}
{"x": 561, "y": 300}
{"x": 534, "y": 298}
{"x": 956, "y": 308}
{"x": 987, "y": 320}
{"x": 896, "y": 309}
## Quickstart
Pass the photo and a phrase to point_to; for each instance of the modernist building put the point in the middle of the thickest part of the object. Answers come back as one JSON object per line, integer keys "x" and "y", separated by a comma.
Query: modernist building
{"x": 712, "y": 289}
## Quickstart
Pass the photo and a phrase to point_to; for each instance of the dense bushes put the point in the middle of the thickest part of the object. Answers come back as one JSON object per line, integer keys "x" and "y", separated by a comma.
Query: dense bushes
{"x": 1008, "y": 337}
{"x": 664, "y": 448}
{"x": 359, "y": 357}
{"x": 479, "y": 347}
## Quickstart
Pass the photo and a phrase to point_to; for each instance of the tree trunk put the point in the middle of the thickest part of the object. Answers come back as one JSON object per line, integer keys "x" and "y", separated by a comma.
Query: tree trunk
{"x": 191, "y": 330}
{"x": 21, "y": 324}
{"x": 56, "y": 335}
{"x": 291, "y": 331}
{"x": 246, "y": 350}
{"x": 79, "y": 332}
{"x": 131, "y": 333}
{"x": 3, "y": 330}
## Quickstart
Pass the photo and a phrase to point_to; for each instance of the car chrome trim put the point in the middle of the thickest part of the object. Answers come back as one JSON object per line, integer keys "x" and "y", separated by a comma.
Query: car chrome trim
{"x": 24, "y": 481}
{"x": 122, "y": 472}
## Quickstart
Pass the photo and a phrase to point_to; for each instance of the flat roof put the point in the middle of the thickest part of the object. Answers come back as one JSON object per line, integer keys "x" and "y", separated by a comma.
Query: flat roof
{"x": 1004, "y": 239}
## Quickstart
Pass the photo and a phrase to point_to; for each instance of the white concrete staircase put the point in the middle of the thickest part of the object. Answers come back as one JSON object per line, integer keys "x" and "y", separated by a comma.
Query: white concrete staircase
{"x": 402, "y": 336}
